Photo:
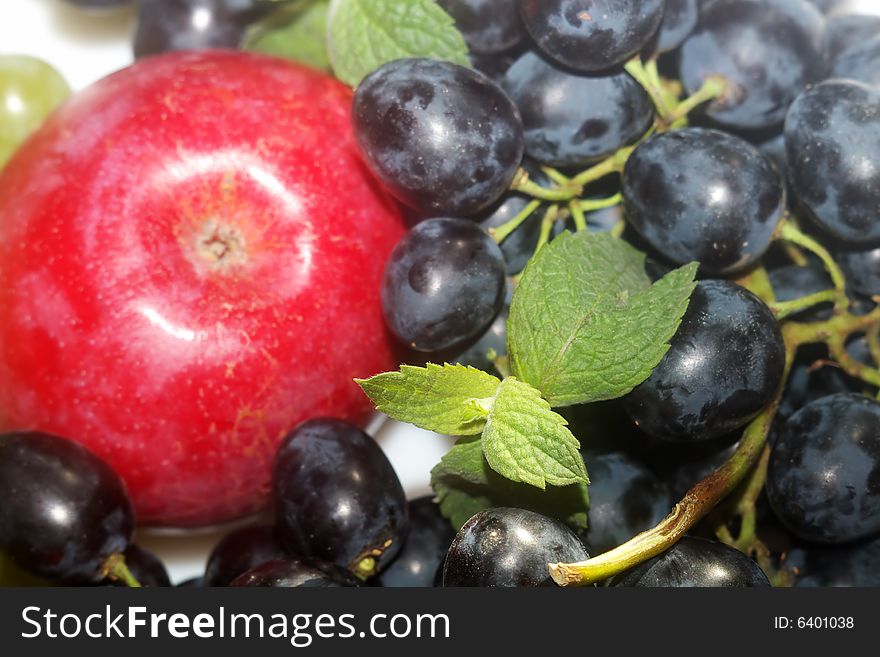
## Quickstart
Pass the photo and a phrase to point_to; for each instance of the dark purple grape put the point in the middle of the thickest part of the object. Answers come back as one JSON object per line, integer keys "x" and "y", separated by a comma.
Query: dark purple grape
{"x": 64, "y": 511}
{"x": 823, "y": 479}
{"x": 625, "y": 499}
{"x": 832, "y": 140}
{"x": 792, "y": 282}
{"x": 165, "y": 25}
{"x": 573, "y": 120}
{"x": 679, "y": 21}
{"x": 768, "y": 51}
{"x": 856, "y": 565}
{"x": 337, "y": 497}
{"x": 240, "y": 551}
{"x": 509, "y": 547}
{"x": 704, "y": 195}
{"x": 444, "y": 284}
{"x": 146, "y": 568}
{"x": 724, "y": 365}
{"x": 296, "y": 573}
{"x": 493, "y": 67}
{"x": 695, "y": 562}
{"x": 422, "y": 555}
{"x": 684, "y": 466}
{"x": 862, "y": 269}
{"x": 591, "y": 35}
{"x": 488, "y": 26}
{"x": 495, "y": 339}
{"x": 444, "y": 139}
{"x": 860, "y": 62}
{"x": 849, "y": 31}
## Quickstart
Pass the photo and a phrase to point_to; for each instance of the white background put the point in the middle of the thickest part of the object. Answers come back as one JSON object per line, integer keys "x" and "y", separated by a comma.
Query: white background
{"x": 85, "y": 46}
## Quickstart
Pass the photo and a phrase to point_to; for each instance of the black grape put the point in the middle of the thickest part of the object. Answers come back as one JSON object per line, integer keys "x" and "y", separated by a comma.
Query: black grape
{"x": 488, "y": 26}
{"x": 704, "y": 195}
{"x": 832, "y": 140}
{"x": 146, "y": 568}
{"x": 862, "y": 270}
{"x": 766, "y": 51}
{"x": 572, "y": 120}
{"x": 723, "y": 367}
{"x": 509, "y": 547}
{"x": 850, "y": 31}
{"x": 822, "y": 479}
{"x": 443, "y": 138}
{"x": 444, "y": 284}
{"x": 679, "y": 21}
{"x": 856, "y": 565}
{"x": 695, "y": 562}
{"x": 64, "y": 511}
{"x": 296, "y": 573}
{"x": 625, "y": 499}
{"x": 421, "y": 558}
{"x": 591, "y": 35}
{"x": 860, "y": 62}
{"x": 240, "y": 551}
{"x": 337, "y": 497}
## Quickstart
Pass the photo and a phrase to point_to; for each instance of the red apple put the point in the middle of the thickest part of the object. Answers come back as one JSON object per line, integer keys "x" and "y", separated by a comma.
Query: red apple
{"x": 190, "y": 262}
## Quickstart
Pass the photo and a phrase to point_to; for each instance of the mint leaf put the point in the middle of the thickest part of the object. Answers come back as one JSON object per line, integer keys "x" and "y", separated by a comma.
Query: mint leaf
{"x": 585, "y": 322}
{"x": 527, "y": 442}
{"x": 297, "y": 32}
{"x": 450, "y": 399}
{"x": 364, "y": 34}
{"x": 464, "y": 484}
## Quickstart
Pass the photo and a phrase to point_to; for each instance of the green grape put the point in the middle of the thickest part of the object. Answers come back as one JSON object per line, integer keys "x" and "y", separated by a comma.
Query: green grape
{"x": 29, "y": 90}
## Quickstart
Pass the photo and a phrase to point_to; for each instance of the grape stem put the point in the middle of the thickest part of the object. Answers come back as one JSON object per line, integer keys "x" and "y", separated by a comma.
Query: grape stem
{"x": 502, "y": 232}
{"x": 116, "y": 569}
{"x": 713, "y": 87}
{"x": 785, "y": 309}
{"x": 789, "y": 232}
{"x": 648, "y": 77}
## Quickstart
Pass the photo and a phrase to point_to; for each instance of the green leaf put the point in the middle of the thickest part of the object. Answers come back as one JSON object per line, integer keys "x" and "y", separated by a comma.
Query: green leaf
{"x": 464, "y": 484}
{"x": 365, "y": 34}
{"x": 527, "y": 442}
{"x": 297, "y": 32}
{"x": 585, "y": 322}
{"x": 450, "y": 399}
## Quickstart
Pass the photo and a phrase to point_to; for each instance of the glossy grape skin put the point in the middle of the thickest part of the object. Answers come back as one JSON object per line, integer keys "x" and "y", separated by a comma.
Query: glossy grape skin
{"x": 793, "y": 282}
{"x": 64, "y": 510}
{"x": 493, "y": 67}
{"x": 822, "y": 479}
{"x": 165, "y": 25}
{"x": 494, "y": 338}
{"x": 509, "y": 547}
{"x": 337, "y": 497}
{"x": 238, "y": 552}
{"x": 680, "y": 19}
{"x": 591, "y": 35}
{"x": 422, "y": 555}
{"x": 860, "y": 62}
{"x": 146, "y": 568}
{"x": 849, "y": 31}
{"x": 574, "y": 120}
{"x": 296, "y": 573}
{"x": 30, "y": 89}
{"x": 767, "y": 53}
{"x": 832, "y": 140}
{"x": 704, "y": 195}
{"x": 488, "y": 26}
{"x": 696, "y": 562}
{"x": 444, "y": 139}
{"x": 444, "y": 284}
{"x": 625, "y": 499}
{"x": 856, "y": 565}
{"x": 723, "y": 367}
{"x": 862, "y": 270}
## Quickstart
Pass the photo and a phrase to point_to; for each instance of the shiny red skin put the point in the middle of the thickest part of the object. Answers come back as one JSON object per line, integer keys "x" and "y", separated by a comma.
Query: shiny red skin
{"x": 191, "y": 255}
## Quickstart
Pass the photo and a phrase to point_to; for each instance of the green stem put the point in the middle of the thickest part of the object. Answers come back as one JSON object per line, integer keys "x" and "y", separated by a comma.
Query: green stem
{"x": 790, "y": 233}
{"x": 592, "y": 204}
{"x": 696, "y": 504}
{"x": 526, "y": 186}
{"x": 502, "y": 232}
{"x": 785, "y": 309}
{"x": 712, "y": 88}
{"x": 613, "y": 164}
{"x": 116, "y": 569}
{"x": 547, "y": 226}
{"x": 640, "y": 73}
{"x": 556, "y": 176}
{"x": 577, "y": 212}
